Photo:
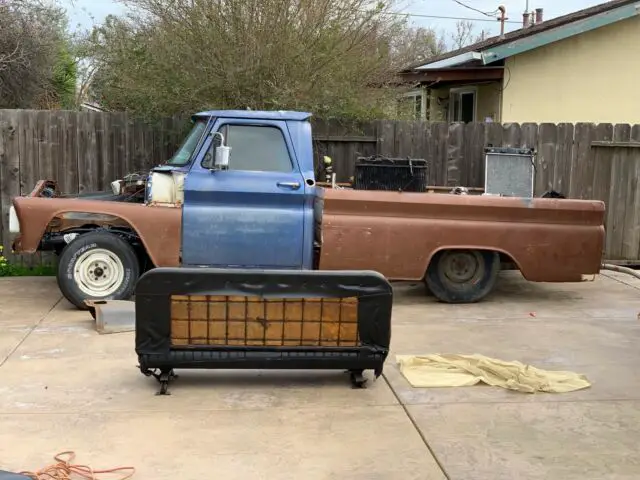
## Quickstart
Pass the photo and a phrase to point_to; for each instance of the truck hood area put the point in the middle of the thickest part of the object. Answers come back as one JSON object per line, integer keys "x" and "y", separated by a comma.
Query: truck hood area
{"x": 159, "y": 228}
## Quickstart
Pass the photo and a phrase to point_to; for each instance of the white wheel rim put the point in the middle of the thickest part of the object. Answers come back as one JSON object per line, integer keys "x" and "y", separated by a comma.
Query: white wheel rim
{"x": 98, "y": 273}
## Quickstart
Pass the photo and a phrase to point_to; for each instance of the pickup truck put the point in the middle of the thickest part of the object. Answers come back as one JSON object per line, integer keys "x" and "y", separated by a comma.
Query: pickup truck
{"x": 241, "y": 192}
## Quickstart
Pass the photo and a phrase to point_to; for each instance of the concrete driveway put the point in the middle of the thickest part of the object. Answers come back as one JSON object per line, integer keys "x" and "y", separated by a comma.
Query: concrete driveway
{"x": 64, "y": 387}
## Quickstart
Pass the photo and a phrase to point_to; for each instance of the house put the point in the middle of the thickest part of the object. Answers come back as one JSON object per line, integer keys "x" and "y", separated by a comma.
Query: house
{"x": 581, "y": 67}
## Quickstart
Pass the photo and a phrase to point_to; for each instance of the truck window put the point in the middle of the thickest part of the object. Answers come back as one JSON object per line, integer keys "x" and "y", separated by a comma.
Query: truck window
{"x": 184, "y": 153}
{"x": 257, "y": 148}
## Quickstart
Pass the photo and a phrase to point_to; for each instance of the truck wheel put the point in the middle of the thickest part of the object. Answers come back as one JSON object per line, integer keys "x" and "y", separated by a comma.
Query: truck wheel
{"x": 462, "y": 276}
{"x": 97, "y": 266}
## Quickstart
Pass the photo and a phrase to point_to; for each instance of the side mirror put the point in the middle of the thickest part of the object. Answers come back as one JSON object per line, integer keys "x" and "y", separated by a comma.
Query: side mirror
{"x": 222, "y": 157}
{"x": 217, "y": 158}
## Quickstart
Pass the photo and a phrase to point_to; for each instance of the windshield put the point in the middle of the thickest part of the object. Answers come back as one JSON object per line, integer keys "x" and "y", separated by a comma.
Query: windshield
{"x": 183, "y": 155}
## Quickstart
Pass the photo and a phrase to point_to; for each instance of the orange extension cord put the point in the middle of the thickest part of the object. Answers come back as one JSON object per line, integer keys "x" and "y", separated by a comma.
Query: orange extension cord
{"x": 64, "y": 469}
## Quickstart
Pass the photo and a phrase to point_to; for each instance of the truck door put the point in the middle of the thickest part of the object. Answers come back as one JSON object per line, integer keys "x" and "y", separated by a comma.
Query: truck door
{"x": 252, "y": 214}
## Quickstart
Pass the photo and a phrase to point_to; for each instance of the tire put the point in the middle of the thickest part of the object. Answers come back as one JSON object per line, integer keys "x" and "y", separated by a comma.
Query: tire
{"x": 462, "y": 276}
{"x": 85, "y": 266}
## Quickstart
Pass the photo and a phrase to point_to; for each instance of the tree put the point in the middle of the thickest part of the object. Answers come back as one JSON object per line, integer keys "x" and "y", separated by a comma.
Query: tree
{"x": 465, "y": 35}
{"x": 36, "y": 66}
{"x": 414, "y": 45}
{"x": 331, "y": 57}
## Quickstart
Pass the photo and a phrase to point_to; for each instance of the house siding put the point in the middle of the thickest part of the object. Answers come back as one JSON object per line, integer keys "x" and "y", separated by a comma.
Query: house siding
{"x": 489, "y": 102}
{"x": 592, "y": 77}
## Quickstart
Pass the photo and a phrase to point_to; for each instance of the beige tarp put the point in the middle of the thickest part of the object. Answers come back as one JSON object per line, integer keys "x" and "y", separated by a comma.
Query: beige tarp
{"x": 449, "y": 370}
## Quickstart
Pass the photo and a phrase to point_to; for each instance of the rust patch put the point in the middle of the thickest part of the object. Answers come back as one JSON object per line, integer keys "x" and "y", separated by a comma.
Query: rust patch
{"x": 158, "y": 228}
{"x": 396, "y": 234}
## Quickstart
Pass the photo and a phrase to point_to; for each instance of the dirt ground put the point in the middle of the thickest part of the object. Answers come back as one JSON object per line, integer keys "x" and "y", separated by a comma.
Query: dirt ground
{"x": 65, "y": 387}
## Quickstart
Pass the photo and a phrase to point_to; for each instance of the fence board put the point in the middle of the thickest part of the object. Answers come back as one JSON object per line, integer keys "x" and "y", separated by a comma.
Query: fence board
{"x": 87, "y": 155}
{"x": 473, "y": 157}
{"x": 404, "y": 140}
{"x": 68, "y": 170}
{"x": 9, "y": 173}
{"x": 631, "y": 246}
{"x": 46, "y": 137}
{"x": 105, "y": 170}
{"x": 580, "y": 158}
{"x": 166, "y": 149}
{"x": 624, "y": 188}
{"x": 148, "y": 161}
{"x": 428, "y": 152}
{"x": 563, "y": 158}
{"x": 511, "y": 136}
{"x": 454, "y": 154}
{"x": 28, "y": 150}
{"x": 386, "y": 138}
{"x": 441, "y": 141}
{"x": 546, "y": 157}
{"x": 119, "y": 150}
{"x": 611, "y": 164}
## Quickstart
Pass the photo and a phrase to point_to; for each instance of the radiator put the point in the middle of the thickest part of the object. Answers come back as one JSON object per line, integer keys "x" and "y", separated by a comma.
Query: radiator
{"x": 509, "y": 172}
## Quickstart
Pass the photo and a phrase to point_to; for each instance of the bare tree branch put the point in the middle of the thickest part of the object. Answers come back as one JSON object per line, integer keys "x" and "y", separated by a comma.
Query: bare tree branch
{"x": 31, "y": 35}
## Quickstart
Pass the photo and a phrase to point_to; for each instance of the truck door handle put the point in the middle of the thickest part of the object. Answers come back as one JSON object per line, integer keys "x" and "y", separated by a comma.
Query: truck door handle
{"x": 289, "y": 185}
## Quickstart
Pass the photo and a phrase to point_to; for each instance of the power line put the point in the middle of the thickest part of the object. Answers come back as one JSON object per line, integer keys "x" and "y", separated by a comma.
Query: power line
{"x": 443, "y": 17}
{"x": 488, "y": 14}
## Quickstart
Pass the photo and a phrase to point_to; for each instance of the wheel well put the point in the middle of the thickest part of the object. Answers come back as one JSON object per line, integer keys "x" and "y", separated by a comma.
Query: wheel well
{"x": 507, "y": 262}
{"x": 122, "y": 229}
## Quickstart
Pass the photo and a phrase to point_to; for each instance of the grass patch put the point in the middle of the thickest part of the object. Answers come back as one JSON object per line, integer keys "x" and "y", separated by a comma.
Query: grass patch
{"x": 10, "y": 270}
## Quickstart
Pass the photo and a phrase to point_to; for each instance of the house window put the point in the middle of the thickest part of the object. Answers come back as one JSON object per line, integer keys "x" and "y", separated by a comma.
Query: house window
{"x": 417, "y": 106}
{"x": 462, "y": 105}
{"x": 257, "y": 148}
{"x": 412, "y": 104}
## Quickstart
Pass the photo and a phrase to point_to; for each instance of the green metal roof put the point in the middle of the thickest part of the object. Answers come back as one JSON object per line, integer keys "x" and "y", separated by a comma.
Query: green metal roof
{"x": 523, "y": 39}
{"x": 525, "y": 44}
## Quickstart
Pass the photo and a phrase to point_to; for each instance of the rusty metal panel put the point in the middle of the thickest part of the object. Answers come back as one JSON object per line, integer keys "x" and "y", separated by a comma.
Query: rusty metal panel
{"x": 396, "y": 234}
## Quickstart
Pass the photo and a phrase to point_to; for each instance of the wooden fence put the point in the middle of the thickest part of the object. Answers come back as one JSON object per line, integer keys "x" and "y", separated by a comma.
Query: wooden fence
{"x": 582, "y": 160}
{"x": 85, "y": 151}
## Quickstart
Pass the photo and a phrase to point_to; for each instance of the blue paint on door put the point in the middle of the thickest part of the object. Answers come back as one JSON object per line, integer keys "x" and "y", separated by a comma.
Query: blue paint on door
{"x": 257, "y": 213}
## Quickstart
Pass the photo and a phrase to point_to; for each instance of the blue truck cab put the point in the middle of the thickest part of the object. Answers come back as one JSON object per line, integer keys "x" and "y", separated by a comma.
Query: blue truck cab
{"x": 256, "y": 211}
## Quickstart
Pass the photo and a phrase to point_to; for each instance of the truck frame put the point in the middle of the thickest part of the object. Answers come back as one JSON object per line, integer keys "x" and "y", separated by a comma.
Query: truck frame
{"x": 241, "y": 192}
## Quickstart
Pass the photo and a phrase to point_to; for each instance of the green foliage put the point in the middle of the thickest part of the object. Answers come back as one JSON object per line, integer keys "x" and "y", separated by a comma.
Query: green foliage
{"x": 65, "y": 75}
{"x": 9, "y": 270}
{"x": 335, "y": 58}
{"x": 36, "y": 67}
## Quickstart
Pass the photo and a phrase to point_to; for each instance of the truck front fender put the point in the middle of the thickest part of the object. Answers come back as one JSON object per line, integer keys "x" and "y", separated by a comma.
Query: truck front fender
{"x": 159, "y": 228}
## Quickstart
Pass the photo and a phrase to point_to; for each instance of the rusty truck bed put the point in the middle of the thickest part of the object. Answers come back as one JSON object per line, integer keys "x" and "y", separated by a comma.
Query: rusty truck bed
{"x": 396, "y": 234}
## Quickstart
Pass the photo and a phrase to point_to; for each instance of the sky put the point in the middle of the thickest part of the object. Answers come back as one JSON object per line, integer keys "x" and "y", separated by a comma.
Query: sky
{"x": 86, "y": 13}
